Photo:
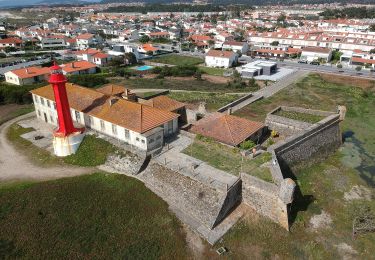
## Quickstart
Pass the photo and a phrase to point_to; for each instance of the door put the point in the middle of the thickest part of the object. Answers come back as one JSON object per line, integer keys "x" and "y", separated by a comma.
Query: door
{"x": 45, "y": 117}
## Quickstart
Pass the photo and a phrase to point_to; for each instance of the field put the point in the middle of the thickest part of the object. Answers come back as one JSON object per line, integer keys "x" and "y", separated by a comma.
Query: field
{"x": 212, "y": 71}
{"x": 187, "y": 83}
{"x": 103, "y": 216}
{"x": 325, "y": 187}
{"x": 178, "y": 60}
{"x": 213, "y": 101}
{"x": 10, "y": 111}
{"x": 229, "y": 159}
{"x": 304, "y": 117}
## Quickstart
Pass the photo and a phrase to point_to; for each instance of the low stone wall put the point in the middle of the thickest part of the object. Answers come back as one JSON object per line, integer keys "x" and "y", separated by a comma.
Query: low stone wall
{"x": 236, "y": 102}
{"x": 319, "y": 139}
{"x": 287, "y": 126}
{"x": 263, "y": 197}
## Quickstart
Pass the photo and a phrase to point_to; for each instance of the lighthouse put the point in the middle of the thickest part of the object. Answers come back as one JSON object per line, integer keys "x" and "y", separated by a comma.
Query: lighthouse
{"x": 66, "y": 137}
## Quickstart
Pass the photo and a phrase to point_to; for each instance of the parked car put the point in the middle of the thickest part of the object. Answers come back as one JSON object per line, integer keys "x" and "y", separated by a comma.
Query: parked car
{"x": 315, "y": 63}
{"x": 302, "y": 61}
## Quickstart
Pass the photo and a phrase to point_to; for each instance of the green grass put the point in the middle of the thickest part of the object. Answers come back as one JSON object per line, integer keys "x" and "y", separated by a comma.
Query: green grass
{"x": 177, "y": 84}
{"x": 304, "y": 117}
{"x": 93, "y": 151}
{"x": 17, "y": 112}
{"x": 213, "y": 101}
{"x": 229, "y": 159}
{"x": 174, "y": 59}
{"x": 101, "y": 216}
{"x": 212, "y": 71}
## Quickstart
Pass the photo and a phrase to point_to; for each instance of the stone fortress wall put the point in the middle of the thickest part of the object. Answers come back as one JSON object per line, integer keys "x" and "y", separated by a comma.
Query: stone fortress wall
{"x": 305, "y": 142}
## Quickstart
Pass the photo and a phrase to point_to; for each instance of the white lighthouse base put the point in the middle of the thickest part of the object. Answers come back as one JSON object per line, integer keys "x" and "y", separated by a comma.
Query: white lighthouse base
{"x": 64, "y": 146}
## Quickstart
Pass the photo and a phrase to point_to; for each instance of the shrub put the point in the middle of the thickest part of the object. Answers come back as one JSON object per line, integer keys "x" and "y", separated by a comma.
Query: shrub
{"x": 246, "y": 145}
{"x": 274, "y": 133}
{"x": 90, "y": 80}
{"x": 270, "y": 142}
{"x": 17, "y": 94}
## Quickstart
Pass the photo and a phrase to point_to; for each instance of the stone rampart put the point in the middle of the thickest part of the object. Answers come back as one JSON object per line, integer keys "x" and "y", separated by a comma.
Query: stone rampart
{"x": 316, "y": 141}
{"x": 263, "y": 197}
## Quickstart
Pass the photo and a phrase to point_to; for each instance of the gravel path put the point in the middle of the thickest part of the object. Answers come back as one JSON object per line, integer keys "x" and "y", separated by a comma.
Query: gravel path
{"x": 16, "y": 166}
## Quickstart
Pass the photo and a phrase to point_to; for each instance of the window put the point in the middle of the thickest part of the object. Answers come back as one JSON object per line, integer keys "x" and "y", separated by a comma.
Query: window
{"x": 151, "y": 141}
{"x": 127, "y": 134}
{"x": 35, "y": 98}
{"x": 143, "y": 141}
{"x": 78, "y": 116}
{"x": 42, "y": 101}
{"x": 170, "y": 126}
{"x": 158, "y": 137}
{"x": 102, "y": 125}
{"x": 91, "y": 120}
{"x": 39, "y": 114}
{"x": 54, "y": 105}
{"x": 137, "y": 139}
{"x": 48, "y": 103}
{"x": 114, "y": 129}
{"x": 51, "y": 119}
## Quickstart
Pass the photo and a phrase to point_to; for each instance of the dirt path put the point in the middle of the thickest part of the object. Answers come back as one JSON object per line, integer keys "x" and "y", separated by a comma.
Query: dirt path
{"x": 15, "y": 166}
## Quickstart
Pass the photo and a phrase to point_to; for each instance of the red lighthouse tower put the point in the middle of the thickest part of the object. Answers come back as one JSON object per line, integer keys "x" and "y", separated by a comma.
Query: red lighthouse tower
{"x": 67, "y": 138}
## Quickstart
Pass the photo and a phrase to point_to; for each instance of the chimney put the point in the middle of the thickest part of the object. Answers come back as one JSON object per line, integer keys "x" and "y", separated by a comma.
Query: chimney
{"x": 73, "y": 65}
{"x": 27, "y": 71}
{"x": 112, "y": 101}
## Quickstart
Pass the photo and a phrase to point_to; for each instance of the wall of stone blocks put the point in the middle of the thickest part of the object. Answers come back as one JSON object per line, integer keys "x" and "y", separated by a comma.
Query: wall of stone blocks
{"x": 317, "y": 141}
{"x": 232, "y": 198}
{"x": 263, "y": 198}
{"x": 285, "y": 126}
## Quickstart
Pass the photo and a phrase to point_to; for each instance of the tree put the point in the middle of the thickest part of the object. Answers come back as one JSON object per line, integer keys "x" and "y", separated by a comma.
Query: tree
{"x": 372, "y": 27}
{"x": 150, "y": 53}
{"x": 275, "y": 43}
{"x": 144, "y": 39}
{"x": 198, "y": 75}
{"x": 10, "y": 49}
{"x": 339, "y": 66}
{"x": 372, "y": 51}
{"x": 130, "y": 58}
{"x": 211, "y": 42}
{"x": 116, "y": 61}
{"x": 358, "y": 69}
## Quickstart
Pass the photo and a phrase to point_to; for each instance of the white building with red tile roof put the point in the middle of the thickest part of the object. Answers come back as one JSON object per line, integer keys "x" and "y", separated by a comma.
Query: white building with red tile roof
{"x": 139, "y": 125}
{"x": 220, "y": 59}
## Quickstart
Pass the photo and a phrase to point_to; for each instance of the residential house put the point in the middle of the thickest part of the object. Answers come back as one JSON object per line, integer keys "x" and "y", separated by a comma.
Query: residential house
{"x": 27, "y": 76}
{"x": 316, "y": 53}
{"x": 221, "y": 59}
{"x": 87, "y": 40}
{"x": 241, "y": 47}
{"x": 52, "y": 41}
{"x": 11, "y": 42}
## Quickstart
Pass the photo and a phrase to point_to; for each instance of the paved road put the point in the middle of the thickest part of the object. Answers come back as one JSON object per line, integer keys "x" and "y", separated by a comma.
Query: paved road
{"x": 16, "y": 166}
{"x": 23, "y": 65}
{"x": 271, "y": 89}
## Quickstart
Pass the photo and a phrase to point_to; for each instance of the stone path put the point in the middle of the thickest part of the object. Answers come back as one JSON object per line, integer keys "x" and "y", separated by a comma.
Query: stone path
{"x": 271, "y": 90}
{"x": 16, "y": 166}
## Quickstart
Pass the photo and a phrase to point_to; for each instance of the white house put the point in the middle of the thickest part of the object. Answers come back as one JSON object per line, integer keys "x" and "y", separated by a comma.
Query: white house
{"x": 243, "y": 47}
{"x": 87, "y": 40}
{"x": 221, "y": 59}
{"x": 31, "y": 75}
{"x": 315, "y": 53}
{"x": 139, "y": 125}
{"x": 26, "y": 76}
{"x": 52, "y": 41}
